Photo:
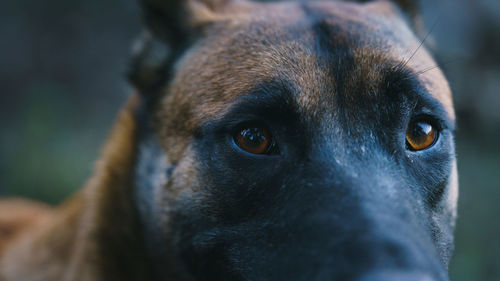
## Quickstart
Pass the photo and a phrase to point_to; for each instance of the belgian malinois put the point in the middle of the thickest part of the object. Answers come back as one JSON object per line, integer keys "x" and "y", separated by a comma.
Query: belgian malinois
{"x": 266, "y": 141}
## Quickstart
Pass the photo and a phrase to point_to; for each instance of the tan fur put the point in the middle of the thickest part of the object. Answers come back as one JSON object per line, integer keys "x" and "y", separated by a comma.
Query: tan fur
{"x": 205, "y": 86}
{"x": 95, "y": 235}
{"x": 17, "y": 215}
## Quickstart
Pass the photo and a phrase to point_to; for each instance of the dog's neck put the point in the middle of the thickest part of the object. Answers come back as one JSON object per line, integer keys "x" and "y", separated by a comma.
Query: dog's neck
{"x": 116, "y": 234}
{"x": 97, "y": 233}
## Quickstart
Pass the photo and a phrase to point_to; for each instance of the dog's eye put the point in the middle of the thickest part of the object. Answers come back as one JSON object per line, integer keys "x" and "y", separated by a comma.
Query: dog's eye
{"x": 420, "y": 135}
{"x": 255, "y": 140}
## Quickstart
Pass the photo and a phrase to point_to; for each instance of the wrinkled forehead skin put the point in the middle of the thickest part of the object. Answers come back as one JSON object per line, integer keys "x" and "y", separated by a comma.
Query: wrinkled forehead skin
{"x": 306, "y": 44}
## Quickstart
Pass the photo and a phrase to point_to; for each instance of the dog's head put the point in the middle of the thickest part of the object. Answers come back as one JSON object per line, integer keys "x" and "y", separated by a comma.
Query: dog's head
{"x": 293, "y": 141}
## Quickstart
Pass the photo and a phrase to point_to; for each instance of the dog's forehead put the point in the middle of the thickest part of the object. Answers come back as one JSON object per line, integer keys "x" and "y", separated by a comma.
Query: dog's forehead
{"x": 307, "y": 45}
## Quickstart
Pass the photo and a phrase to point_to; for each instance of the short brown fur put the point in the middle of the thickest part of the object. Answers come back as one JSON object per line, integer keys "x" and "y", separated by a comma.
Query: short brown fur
{"x": 96, "y": 234}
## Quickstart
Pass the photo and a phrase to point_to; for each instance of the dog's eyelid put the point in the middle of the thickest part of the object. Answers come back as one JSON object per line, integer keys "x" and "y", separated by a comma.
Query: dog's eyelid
{"x": 436, "y": 117}
{"x": 422, "y": 101}
{"x": 428, "y": 107}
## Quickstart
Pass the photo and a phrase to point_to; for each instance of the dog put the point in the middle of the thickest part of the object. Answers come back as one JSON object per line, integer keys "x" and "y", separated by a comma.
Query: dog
{"x": 265, "y": 141}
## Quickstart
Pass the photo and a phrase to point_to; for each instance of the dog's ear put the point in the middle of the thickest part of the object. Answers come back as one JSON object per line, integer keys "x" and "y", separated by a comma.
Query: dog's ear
{"x": 175, "y": 21}
{"x": 171, "y": 26}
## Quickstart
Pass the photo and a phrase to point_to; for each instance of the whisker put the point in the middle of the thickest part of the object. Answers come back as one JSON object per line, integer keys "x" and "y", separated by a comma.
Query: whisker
{"x": 422, "y": 42}
{"x": 426, "y": 70}
{"x": 434, "y": 67}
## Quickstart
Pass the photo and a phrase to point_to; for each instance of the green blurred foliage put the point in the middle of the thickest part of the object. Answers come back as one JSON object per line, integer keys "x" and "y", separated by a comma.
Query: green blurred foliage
{"x": 477, "y": 246}
{"x": 43, "y": 152}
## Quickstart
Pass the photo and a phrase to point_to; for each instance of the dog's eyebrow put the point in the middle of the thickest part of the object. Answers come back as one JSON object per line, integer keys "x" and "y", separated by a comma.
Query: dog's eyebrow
{"x": 428, "y": 104}
{"x": 267, "y": 100}
{"x": 273, "y": 94}
{"x": 425, "y": 102}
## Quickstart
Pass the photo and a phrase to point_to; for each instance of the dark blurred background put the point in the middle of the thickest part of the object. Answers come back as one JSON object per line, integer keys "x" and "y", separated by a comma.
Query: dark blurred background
{"x": 62, "y": 78}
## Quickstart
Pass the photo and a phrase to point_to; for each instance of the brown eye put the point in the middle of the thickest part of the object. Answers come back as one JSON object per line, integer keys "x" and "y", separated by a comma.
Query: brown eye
{"x": 254, "y": 140}
{"x": 420, "y": 135}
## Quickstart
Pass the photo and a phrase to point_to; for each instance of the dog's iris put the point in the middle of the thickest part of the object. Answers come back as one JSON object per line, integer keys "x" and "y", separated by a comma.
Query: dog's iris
{"x": 420, "y": 135}
{"x": 254, "y": 140}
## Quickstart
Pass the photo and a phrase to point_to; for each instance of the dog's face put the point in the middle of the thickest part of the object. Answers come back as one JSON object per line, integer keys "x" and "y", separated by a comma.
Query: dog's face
{"x": 298, "y": 142}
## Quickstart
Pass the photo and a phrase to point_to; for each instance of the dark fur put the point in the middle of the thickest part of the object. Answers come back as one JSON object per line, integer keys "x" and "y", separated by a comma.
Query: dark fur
{"x": 341, "y": 199}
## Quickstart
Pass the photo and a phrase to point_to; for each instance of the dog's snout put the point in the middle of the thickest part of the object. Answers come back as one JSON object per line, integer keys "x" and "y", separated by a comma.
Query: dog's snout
{"x": 398, "y": 276}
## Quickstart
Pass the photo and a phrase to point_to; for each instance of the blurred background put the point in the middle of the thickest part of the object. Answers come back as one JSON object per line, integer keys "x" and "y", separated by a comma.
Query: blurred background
{"x": 62, "y": 78}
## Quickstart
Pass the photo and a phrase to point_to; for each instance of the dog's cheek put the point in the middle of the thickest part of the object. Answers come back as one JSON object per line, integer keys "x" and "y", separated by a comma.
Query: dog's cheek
{"x": 183, "y": 196}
